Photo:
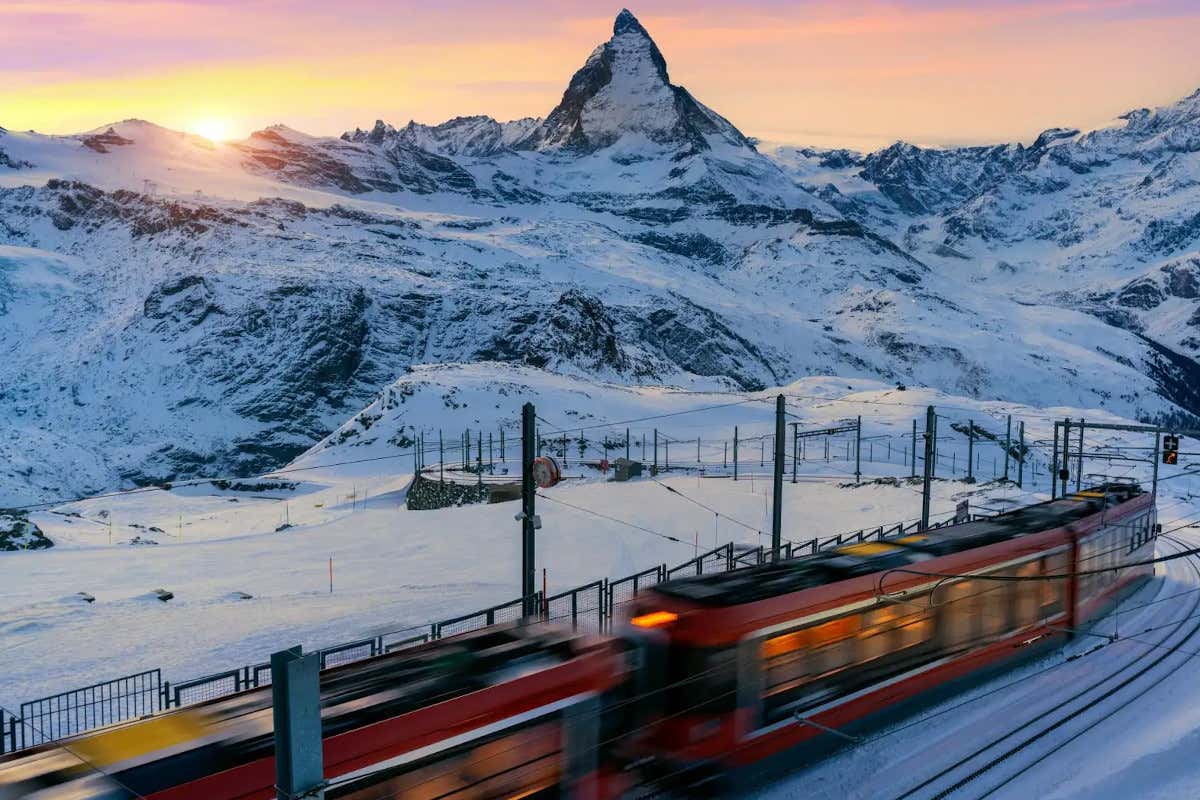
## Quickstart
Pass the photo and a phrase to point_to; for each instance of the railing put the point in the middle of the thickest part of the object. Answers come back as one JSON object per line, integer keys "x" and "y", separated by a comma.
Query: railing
{"x": 589, "y": 607}
{"x": 584, "y": 607}
{"x": 68, "y": 713}
{"x": 505, "y": 612}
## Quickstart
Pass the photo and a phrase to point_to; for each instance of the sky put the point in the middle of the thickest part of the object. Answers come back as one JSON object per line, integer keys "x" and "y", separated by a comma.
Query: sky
{"x": 855, "y": 74}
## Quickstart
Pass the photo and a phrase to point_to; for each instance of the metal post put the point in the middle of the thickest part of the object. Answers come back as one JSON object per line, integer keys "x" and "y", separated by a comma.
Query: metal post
{"x": 1154, "y": 479}
{"x": 930, "y": 432}
{"x": 655, "y": 467}
{"x": 1021, "y": 451}
{"x": 441, "y": 458}
{"x": 970, "y": 451}
{"x": 735, "y": 440}
{"x": 502, "y": 458}
{"x": 777, "y": 507}
{"x": 697, "y": 449}
{"x": 725, "y": 456}
{"x": 858, "y": 451}
{"x": 1054, "y": 464}
{"x": 296, "y": 709}
{"x": 666, "y": 454}
{"x": 1007, "y": 445}
{"x": 528, "y": 508}
{"x": 491, "y": 453}
{"x": 934, "y": 452}
{"x": 914, "y": 449}
{"x": 1066, "y": 454}
{"x": 1079, "y": 463}
{"x": 795, "y": 448}
{"x": 479, "y": 454}
{"x": 627, "y": 444}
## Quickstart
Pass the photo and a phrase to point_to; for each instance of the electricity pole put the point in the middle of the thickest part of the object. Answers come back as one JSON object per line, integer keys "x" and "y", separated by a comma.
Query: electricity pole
{"x": 528, "y": 508}
{"x": 930, "y": 423}
{"x": 777, "y": 507}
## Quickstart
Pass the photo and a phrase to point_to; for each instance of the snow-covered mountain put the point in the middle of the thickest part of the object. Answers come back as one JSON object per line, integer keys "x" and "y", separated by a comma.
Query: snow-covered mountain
{"x": 173, "y": 306}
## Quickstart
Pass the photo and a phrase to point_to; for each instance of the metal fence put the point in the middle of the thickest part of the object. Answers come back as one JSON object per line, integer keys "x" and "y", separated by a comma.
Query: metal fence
{"x": 511, "y": 611}
{"x": 584, "y": 607}
{"x": 591, "y": 607}
{"x": 68, "y": 713}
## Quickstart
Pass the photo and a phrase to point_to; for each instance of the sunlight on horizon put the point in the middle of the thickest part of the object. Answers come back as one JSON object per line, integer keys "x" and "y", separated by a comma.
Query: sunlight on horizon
{"x": 212, "y": 128}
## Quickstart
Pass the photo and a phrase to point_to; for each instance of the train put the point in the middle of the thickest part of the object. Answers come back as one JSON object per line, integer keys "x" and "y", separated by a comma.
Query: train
{"x": 706, "y": 679}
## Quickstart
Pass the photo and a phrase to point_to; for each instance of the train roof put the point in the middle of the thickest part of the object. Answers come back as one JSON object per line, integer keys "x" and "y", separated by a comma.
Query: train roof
{"x": 749, "y": 584}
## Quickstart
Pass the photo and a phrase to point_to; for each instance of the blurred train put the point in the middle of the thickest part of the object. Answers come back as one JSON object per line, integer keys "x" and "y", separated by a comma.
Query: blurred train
{"x": 709, "y": 677}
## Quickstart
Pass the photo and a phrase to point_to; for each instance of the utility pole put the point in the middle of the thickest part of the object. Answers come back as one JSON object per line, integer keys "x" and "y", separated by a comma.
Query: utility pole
{"x": 795, "y": 448}
{"x": 1021, "y": 459}
{"x": 970, "y": 451}
{"x": 1066, "y": 461}
{"x": 858, "y": 451}
{"x": 1154, "y": 479}
{"x": 930, "y": 432}
{"x": 1079, "y": 463}
{"x": 1054, "y": 464}
{"x": 655, "y": 469}
{"x": 777, "y": 507}
{"x": 296, "y": 709}
{"x": 735, "y": 440}
{"x": 914, "y": 449}
{"x": 528, "y": 508}
{"x": 1007, "y": 446}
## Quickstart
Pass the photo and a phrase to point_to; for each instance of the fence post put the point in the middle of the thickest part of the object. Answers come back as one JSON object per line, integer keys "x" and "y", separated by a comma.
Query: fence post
{"x": 296, "y": 707}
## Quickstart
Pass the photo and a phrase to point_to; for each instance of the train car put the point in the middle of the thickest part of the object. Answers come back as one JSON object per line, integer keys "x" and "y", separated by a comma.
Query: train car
{"x": 502, "y": 712}
{"x": 765, "y": 664}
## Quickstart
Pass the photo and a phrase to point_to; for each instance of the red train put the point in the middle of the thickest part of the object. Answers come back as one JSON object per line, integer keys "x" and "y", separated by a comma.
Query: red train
{"x": 711, "y": 675}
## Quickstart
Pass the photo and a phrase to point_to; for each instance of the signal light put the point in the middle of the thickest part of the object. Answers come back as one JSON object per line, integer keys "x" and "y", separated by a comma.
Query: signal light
{"x": 1170, "y": 449}
{"x": 654, "y": 619}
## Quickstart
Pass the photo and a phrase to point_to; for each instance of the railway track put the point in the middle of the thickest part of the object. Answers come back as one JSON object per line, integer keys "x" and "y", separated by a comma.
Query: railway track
{"x": 1003, "y": 759}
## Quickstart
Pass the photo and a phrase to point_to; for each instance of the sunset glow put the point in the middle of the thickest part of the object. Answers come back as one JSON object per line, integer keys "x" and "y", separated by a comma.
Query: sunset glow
{"x": 929, "y": 71}
{"x": 213, "y": 129}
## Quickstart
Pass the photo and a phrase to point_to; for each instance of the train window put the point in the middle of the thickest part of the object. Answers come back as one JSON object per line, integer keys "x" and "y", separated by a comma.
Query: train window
{"x": 1053, "y": 591}
{"x": 701, "y": 680}
{"x": 1028, "y": 607}
{"x": 521, "y": 763}
{"x": 959, "y": 620}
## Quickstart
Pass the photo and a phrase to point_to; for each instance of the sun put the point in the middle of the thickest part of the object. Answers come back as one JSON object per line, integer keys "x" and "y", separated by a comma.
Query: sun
{"x": 213, "y": 129}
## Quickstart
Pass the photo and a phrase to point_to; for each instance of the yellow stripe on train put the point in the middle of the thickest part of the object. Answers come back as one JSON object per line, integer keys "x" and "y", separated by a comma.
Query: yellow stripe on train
{"x": 129, "y": 741}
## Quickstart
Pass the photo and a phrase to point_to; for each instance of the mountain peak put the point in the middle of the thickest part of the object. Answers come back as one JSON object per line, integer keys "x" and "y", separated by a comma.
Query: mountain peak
{"x": 624, "y": 90}
{"x": 626, "y": 22}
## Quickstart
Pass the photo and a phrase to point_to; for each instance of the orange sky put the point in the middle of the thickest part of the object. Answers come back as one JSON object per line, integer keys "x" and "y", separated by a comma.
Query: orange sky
{"x": 854, "y": 74}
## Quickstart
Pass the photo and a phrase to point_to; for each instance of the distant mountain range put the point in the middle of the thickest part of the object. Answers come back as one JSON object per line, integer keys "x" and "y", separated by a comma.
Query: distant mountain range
{"x": 171, "y": 306}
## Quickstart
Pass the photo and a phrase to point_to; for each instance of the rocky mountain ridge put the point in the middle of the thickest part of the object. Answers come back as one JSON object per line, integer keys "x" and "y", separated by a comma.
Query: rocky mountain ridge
{"x": 176, "y": 307}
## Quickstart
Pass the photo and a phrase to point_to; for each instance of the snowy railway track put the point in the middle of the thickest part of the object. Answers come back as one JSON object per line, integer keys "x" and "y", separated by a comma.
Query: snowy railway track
{"x": 1070, "y": 718}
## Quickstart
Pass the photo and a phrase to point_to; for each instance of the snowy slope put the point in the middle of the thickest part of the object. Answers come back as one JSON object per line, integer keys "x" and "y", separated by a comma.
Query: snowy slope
{"x": 221, "y": 307}
{"x": 395, "y": 568}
